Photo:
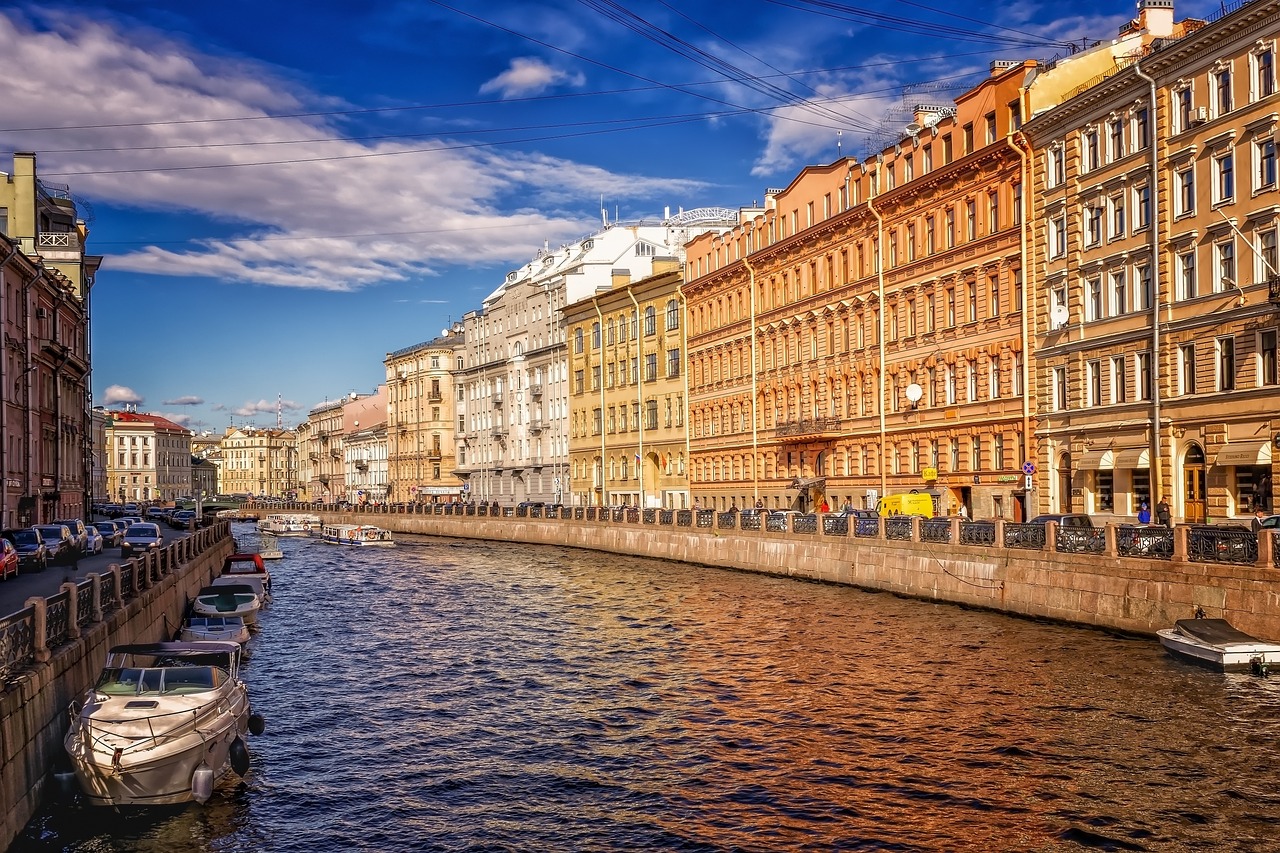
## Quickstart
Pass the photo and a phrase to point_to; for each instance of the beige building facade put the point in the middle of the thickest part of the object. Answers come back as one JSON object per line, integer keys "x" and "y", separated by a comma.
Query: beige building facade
{"x": 259, "y": 462}
{"x": 1157, "y": 218}
{"x": 421, "y": 421}
{"x": 148, "y": 458}
{"x": 627, "y": 442}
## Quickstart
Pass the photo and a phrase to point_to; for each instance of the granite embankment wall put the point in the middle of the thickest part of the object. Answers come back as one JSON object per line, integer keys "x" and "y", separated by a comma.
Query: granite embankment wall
{"x": 1127, "y": 594}
{"x": 33, "y": 706}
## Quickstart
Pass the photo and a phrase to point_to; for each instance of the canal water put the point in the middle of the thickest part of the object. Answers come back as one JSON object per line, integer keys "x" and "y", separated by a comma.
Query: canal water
{"x": 460, "y": 696}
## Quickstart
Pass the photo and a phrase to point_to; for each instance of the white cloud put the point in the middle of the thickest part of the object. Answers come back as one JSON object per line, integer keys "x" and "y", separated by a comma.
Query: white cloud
{"x": 179, "y": 418}
{"x": 265, "y": 407}
{"x": 117, "y": 394}
{"x": 527, "y": 75}
{"x": 185, "y": 401}
{"x": 400, "y": 209}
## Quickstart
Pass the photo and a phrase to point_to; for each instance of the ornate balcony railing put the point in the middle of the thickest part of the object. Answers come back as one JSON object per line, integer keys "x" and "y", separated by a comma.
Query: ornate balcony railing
{"x": 807, "y": 427}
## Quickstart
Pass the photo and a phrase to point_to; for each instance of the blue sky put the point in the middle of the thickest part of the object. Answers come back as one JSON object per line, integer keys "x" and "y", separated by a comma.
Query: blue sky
{"x": 283, "y": 192}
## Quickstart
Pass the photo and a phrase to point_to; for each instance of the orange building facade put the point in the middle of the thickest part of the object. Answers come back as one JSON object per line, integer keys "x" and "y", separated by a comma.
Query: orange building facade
{"x": 864, "y": 333}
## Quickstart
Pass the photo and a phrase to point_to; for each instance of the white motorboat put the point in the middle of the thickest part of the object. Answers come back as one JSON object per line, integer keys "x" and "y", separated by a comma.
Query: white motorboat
{"x": 270, "y": 548}
{"x": 228, "y": 599}
{"x": 246, "y": 568}
{"x": 227, "y": 629}
{"x": 1215, "y": 643}
{"x": 163, "y": 724}
{"x": 289, "y": 524}
{"x": 356, "y": 534}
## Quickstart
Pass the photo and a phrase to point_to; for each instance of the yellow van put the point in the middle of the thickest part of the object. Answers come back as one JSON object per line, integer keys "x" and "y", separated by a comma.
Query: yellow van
{"x": 907, "y": 503}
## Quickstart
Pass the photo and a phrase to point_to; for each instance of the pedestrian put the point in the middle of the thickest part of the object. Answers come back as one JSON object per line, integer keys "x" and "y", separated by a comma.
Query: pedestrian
{"x": 964, "y": 512}
{"x": 1144, "y": 513}
{"x": 826, "y": 507}
{"x": 1163, "y": 515}
{"x": 1258, "y": 514}
{"x": 759, "y": 503}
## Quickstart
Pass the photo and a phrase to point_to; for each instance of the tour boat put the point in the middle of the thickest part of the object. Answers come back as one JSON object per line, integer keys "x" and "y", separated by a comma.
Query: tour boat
{"x": 229, "y": 629}
{"x": 1214, "y": 642}
{"x": 228, "y": 599}
{"x": 355, "y": 534}
{"x": 289, "y": 524}
{"x": 163, "y": 723}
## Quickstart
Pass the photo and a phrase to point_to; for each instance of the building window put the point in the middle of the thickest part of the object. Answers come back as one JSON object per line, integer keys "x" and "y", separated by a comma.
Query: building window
{"x": 949, "y": 380}
{"x": 1093, "y": 299}
{"x": 1142, "y": 127}
{"x": 1090, "y": 156}
{"x": 651, "y": 367}
{"x": 1222, "y": 91}
{"x": 1058, "y": 245}
{"x": 1142, "y": 201}
{"x": 1117, "y": 217}
{"x": 1093, "y": 225}
{"x": 1093, "y": 383}
{"x": 993, "y": 212}
{"x": 650, "y": 320}
{"x": 972, "y": 290}
{"x": 1119, "y": 293}
{"x": 577, "y": 340}
{"x": 993, "y": 378}
{"x": 1145, "y": 298}
{"x": 1185, "y": 180}
{"x": 993, "y": 295}
{"x": 951, "y": 306}
{"x": 951, "y": 227}
{"x": 1182, "y": 109}
{"x": 1268, "y": 259}
{"x": 1017, "y": 203}
{"x": 1267, "y": 363}
{"x": 595, "y": 336}
{"x": 1226, "y": 352}
{"x": 1119, "y": 379}
{"x": 1187, "y": 274}
{"x": 1264, "y": 74}
{"x": 1187, "y": 369}
{"x": 930, "y": 311}
{"x": 673, "y": 363}
{"x": 1144, "y": 387}
{"x": 1225, "y": 185}
{"x": 1226, "y": 266}
{"x": 1061, "y": 391}
{"x": 1115, "y": 138}
{"x": 673, "y": 315}
{"x": 1265, "y": 154}
{"x": 991, "y": 128}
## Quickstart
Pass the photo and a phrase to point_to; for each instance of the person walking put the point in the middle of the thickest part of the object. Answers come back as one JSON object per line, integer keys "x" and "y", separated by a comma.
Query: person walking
{"x": 1163, "y": 515}
{"x": 1258, "y": 514}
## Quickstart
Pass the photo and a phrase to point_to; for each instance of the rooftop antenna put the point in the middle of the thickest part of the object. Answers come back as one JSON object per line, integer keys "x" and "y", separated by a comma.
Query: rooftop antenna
{"x": 839, "y": 144}
{"x": 279, "y": 414}
{"x": 604, "y": 214}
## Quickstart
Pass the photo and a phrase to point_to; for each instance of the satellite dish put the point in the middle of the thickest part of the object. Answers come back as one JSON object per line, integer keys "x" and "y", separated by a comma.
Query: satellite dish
{"x": 1059, "y": 315}
{"x": 914, "y": 129}
{"x": 914, "y": 393}
{"x": 444, "y": 333}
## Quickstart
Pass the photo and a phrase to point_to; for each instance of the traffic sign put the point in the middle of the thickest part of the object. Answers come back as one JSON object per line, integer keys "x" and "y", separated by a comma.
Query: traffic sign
{"x": 1028, "y": 468}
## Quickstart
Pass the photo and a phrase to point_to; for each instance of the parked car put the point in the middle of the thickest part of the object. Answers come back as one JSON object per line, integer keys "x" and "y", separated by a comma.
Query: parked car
{"x": 1226, "y": 543}
{"x": 128, "y": 521}
{"x": 141, "y": 537}
{"x": 112, "y": 532}
{"x": 156, "y": 514}
{"x": 1066, "y": 519}
{"x": 79, "y": 533}
{"x": 9, "y": 560}
{"x": 57, "y": 538}
{"x": 180, "y": 519}
{"x": 33, "y": 556}
{"x": 94, "y": 539}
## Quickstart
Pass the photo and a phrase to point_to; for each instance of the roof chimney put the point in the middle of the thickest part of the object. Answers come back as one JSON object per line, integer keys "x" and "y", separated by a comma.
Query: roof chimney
{"x": 1156, "y": 17}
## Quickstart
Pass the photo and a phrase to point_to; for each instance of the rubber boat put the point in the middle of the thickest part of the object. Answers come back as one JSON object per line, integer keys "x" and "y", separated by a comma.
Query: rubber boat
{"x": 228, "y": 599}
{"x": 1215, "y": 643}
{"x": 163, "y": 723}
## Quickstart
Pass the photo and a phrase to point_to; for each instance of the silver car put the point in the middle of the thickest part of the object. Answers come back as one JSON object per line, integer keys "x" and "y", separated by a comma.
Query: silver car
{"x": 140, "y": 538}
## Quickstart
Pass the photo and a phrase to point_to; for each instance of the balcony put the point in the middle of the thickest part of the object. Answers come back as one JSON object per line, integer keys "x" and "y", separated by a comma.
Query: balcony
{"x": 362, "y": 464}
{"x": 535, "y": 391}
{"x": 1273, "y": 289}
{"x": 433, "y": 453}
{"x": 536, "y": 425}
{"x": 335, "y": 453}
{"x": 315, "y": 457}
{"x": 499, "y": 434}
{"x": 434, "y": 396}
{"x": 497, "y": 400}
{"x": 819, "y": 427}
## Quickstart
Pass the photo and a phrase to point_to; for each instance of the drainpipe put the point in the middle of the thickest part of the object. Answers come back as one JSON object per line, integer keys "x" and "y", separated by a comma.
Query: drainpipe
{"x": 1157, "y": 482}
{"x": 684, "y": 416}
{"x": 604, "y": 482}
{"x": 1026, "y": 268}
{"x": 639, "y": 392}
{"x": 884, "y": 461}
{"x": 4, "y": 438}
{"x": 755, "y": 372}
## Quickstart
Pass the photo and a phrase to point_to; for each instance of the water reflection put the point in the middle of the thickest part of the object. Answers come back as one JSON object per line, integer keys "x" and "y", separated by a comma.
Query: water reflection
{"x": 469, "y": 696}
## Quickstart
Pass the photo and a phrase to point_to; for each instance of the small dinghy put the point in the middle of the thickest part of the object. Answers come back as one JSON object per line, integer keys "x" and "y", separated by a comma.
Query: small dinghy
{"x": 1216, "y": 643}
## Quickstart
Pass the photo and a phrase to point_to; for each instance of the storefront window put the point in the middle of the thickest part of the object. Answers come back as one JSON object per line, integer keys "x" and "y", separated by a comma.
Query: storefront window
{"x": 1106, "y": 491}
{"x": 1252, "y": 488}
{"x": 1142, "y": 489}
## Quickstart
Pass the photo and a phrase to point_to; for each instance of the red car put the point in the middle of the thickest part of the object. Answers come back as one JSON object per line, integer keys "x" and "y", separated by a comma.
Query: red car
{"x": 8, "y": 559}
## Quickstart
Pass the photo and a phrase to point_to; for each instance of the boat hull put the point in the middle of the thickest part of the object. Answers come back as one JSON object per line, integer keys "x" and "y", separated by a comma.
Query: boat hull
{"x": 209, "y": 605}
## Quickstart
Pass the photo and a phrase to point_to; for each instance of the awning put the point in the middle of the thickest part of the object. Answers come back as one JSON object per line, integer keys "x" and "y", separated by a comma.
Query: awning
{"x": 805, "y": 485}
{"x": 1094, "y": 460}
{"x": 1133, "y": 457}
{"x": 1244, "y": 453}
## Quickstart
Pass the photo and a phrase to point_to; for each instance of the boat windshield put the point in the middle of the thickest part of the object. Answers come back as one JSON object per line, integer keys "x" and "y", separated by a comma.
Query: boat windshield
{"x": 141, "y": 681}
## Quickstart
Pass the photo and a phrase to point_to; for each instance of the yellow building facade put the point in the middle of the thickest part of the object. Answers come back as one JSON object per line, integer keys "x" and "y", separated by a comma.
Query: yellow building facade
{"x": 422, "y": 423}
{"x": 627, "y": 442}
{"x": 259, "y": 462}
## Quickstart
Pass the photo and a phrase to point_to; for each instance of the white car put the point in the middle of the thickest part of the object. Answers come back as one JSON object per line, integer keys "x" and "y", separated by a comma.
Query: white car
{"x": 94, "y": 542}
